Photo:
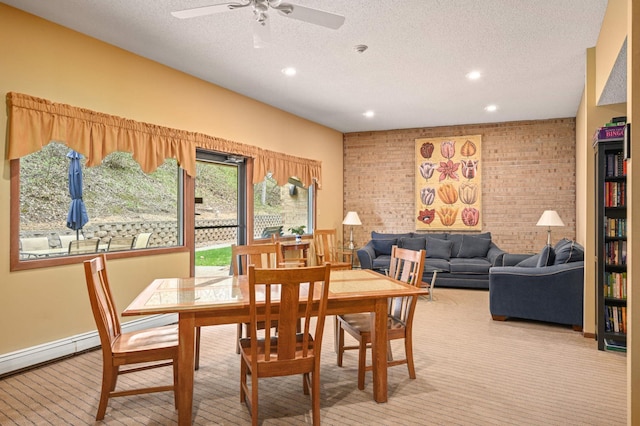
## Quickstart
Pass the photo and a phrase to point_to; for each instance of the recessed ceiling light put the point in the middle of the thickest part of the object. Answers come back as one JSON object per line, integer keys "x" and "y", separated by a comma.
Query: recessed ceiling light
{"x": 490, "y": 108}
{"x": 289, "y": 71}
{"x": 474, "y": 75}
{"x": 369, "y": 114}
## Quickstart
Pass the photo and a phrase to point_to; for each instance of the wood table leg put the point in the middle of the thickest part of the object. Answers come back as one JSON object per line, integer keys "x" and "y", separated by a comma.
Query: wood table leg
{"x": 186, "y": 337}
{"x": 379, "y": 350}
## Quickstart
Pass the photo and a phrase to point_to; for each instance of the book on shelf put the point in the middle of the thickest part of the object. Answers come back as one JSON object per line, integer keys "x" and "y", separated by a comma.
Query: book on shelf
{"x": 615, "y": 165}
{"x": 611, "y": 132}
{"x": 615, "y": 194}
{"x": 614, "y": 227}
{"x": 615, "y": 319}
{"x": 615, "y": 285}
{"x": 615, "y": 345}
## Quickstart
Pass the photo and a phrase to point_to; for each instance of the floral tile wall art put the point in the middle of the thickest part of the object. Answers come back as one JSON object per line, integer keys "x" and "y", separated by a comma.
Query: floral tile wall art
{"x": 448, "y": 184}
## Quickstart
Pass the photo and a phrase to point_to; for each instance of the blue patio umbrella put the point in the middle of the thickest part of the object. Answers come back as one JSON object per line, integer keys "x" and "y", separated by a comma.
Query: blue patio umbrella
{"x": 77, "y": 216}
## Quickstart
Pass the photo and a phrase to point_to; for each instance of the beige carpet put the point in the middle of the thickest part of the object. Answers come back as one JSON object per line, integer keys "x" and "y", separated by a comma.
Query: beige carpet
{"x": 471, "y": 371}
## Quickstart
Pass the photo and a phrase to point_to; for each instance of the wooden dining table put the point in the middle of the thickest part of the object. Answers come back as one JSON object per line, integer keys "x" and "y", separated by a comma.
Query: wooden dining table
{"x": 202, "y": 301}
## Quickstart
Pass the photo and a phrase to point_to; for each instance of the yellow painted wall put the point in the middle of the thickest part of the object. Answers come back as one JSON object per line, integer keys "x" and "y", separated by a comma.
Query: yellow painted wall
{"x": 633, "y": 229}
{"x": 43, "y": 59}
{"x": 622, "y": 20}
{"x": 610, "y": 40}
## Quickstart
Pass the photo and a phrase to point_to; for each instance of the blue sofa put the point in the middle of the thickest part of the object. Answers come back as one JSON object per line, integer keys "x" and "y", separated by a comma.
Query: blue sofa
{"x": 465, "y": 259}
{"x": 545, "y": 287}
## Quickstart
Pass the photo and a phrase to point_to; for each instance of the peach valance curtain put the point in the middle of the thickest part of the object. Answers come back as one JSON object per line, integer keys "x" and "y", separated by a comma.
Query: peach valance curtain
{"x": 34, "y": 122}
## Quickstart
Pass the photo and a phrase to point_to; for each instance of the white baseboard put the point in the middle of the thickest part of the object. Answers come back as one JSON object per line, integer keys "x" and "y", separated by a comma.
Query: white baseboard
{"x": 24, "y": 358}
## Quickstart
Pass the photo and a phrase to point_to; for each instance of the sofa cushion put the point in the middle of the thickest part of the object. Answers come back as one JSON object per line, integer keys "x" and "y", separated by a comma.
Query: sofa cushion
{"x": 438, "y": 235}
{"x": 433, "y": 262}
{"x": 569, "y": 252}
{"x": 416, "y": 244}
{"x": 460, "y": 265}
{"x": 473, "y": 246}
{"x": 457, "y": 241}
{"x": 381, "y": 262}
{"x": 380, "y": 236}
{"x": 529, "y": 262}
{"x": 547, "y": 256}
{"x": 383, "y": 246}
{"x": 440, "y": 249}
{"x": 561, "y": 243}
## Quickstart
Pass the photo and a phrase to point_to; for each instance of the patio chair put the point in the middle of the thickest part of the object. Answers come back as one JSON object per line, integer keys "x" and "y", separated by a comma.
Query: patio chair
{"x": 66, "y": 239}
{"x": 158, "y": 345}
{"x": 33, "y": 245}
{"x": 142, "y": 240}
{"x": 290, "y": 352}
{"x": 406, "y": 266}
{"x": 84, "y": 246}
{"x": 120, "y": 243}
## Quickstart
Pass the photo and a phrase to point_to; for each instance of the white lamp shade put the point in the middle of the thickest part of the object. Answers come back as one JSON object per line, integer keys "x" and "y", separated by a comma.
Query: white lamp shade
{"x": 351, "y": 219}
{"x": 550, "y": 218}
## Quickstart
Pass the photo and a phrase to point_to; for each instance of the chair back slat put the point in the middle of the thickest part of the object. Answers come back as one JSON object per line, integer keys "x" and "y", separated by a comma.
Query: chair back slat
{"x": 102, "y": 304}
{"x": 326, "y": 245}
{"x": 259, "y": 255}
{"x": 289, "y": 294}
{"x": 406, "y": 266}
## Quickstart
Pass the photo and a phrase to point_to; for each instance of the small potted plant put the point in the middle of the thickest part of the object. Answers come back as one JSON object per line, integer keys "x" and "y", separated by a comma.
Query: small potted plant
{"x": 298, "y": 231}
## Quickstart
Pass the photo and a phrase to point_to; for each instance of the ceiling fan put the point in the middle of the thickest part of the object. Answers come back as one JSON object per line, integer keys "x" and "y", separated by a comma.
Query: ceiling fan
{"x": 261, "y": 32}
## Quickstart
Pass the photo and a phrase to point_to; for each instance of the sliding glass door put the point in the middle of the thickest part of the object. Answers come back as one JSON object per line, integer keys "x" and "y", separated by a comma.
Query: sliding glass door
{"x": 220, "y": 209}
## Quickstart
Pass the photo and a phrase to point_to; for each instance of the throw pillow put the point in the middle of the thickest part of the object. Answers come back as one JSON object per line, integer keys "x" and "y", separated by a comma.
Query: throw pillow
{"x": 473, "y": 246}
{"x": 413, "y": 243}
{"x": 383, "y": 247}
{"x": 547, "y": 256}
{"x": 570, "y": 252}
{"x": 529, "y": 262}
{"x": 381, "y": 236}
{"x": 561, "y": 244}
{"x": 439, "y": 249}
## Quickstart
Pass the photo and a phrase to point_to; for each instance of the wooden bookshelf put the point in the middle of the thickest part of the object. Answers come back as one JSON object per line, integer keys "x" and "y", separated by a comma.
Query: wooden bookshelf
{"x": 611, "y": 242}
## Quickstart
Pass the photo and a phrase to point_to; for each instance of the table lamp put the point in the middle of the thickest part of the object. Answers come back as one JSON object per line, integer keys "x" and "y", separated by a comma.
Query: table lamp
{"x": 352, "y": 220}
{"x": 549, "y": 218}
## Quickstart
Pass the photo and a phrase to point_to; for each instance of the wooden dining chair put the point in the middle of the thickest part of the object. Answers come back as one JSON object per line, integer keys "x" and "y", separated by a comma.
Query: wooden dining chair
{"x": 325, "y": 243}
{"x": 406, "y": 266}
{"x": 158, "y": 345}
{"x": 285, "y": 293}
{"x": 260, "y": 255}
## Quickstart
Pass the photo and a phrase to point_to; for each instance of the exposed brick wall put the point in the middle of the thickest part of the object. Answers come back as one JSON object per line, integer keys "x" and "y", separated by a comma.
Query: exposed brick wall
{"x": 527, "y": 167}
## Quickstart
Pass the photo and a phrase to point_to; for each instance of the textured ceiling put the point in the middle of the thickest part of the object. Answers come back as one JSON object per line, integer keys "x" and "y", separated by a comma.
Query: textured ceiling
{"x": 531, "y": 55}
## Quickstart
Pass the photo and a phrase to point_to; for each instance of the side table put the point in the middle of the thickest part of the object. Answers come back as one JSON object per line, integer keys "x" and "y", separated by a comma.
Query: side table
{"x": 302, "y": 246}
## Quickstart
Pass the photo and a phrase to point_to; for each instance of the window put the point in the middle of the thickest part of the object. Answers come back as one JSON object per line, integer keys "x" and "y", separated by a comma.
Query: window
{"x": 126, "y": 208}
{"x": 279, "y": 208}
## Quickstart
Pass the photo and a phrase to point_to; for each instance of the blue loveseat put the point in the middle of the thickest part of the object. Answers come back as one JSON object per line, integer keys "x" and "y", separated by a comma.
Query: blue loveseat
{"x": 465, "y": 259}
{"x": 546, "y": 287}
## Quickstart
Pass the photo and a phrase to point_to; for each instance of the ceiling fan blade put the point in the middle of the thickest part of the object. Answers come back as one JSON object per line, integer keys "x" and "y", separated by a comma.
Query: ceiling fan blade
{"x": 207, "y": 10}
{"x": 261, "y": 34}
{"x": 313, "y": 16}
